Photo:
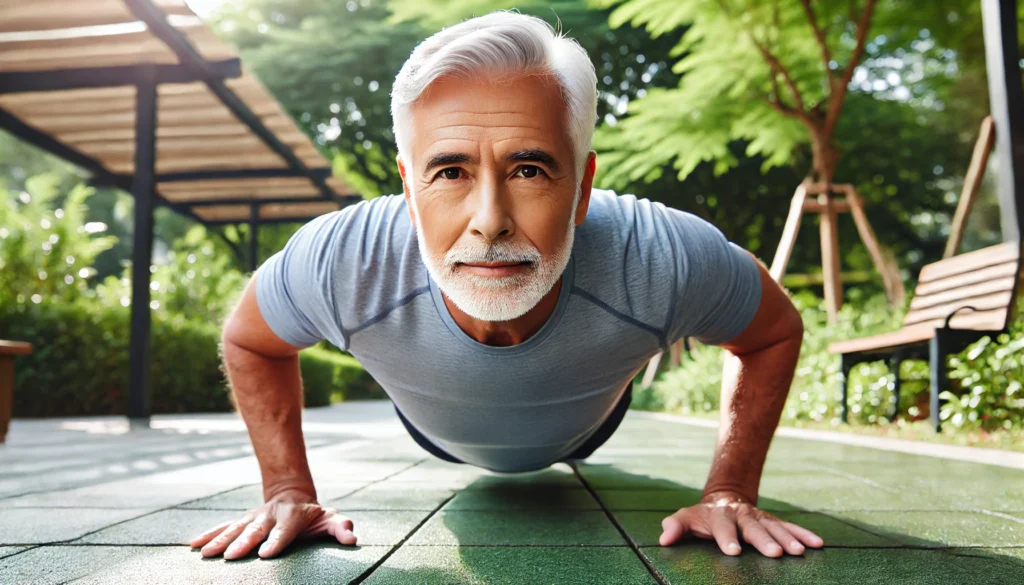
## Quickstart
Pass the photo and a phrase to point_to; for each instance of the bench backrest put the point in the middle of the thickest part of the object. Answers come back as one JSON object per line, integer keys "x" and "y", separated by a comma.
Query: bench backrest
{"x": 984, "y": 279}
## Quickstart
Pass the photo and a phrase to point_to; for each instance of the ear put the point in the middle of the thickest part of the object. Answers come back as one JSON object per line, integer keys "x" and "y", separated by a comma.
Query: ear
{"x": 586, "y": 184}
{"x": 405, "y": 189}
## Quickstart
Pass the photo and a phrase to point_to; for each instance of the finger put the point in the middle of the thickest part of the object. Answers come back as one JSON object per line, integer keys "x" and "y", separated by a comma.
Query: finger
{"x": 673, "y": 528}
{"x": 282, "y": 535}
{"x": 756, "y": 535}
{"x": 253, "y": 534}
{"x": 723, "y": 529}
{"x": 341, "y": 527}
{"x": 221, "y": 542}
{"x": 207, "y": 536}
{"x": 803, "y": 535}
{"x": 782, "y": 536}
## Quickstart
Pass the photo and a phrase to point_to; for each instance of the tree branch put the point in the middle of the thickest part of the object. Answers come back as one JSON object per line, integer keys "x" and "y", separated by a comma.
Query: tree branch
{"x": 234, "y": 247}
{"x": 839, "y": 95}
{"x": 777, "y": 67}
{"x": 820, "y": 35}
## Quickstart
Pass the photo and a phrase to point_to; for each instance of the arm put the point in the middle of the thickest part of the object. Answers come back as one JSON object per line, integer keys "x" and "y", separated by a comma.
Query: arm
{"x": 756, "y": 380}
{"x": 266, "y": 386}
{"x": 755, "y": 383}
{"x": 287, "y": 305}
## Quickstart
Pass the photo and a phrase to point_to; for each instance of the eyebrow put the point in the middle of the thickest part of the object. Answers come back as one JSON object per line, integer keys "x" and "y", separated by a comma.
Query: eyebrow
{"x": 529, "y": 155}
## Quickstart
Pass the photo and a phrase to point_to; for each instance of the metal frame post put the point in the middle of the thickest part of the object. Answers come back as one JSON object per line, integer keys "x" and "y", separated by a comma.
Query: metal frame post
{"x": 1006, "y": 102}
{"x": 254, "y": 226}
{"x": 143, "y": 191}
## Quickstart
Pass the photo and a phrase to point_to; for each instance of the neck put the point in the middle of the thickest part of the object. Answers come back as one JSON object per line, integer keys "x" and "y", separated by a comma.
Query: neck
{"x": 505, "y": 333}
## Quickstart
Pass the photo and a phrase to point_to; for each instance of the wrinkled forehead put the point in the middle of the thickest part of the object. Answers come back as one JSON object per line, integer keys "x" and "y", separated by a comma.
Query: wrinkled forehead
{"x": 508, "y": 113}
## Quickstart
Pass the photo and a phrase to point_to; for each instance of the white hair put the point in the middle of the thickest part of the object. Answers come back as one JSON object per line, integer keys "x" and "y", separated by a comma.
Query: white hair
{"x": 504, "y": 45}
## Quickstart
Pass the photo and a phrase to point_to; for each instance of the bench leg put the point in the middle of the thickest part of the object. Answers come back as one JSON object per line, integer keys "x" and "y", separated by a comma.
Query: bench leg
{"x": 6, "y": 394}
{"x": 938, "y": 349}
{"x": 894, "y": 364}
{"x": 844, "y": 378}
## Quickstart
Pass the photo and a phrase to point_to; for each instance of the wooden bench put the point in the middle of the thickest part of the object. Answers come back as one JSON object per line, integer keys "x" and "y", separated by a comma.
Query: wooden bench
{"x": 957, "y": 301}
{"x": 8, "y": 349}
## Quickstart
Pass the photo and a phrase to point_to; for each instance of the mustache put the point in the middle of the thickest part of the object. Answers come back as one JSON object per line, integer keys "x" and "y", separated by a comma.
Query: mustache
{"x": 498, "y": 252}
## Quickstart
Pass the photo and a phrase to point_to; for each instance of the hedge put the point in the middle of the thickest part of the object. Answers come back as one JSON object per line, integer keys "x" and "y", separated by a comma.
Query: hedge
{"x": 80, "y": 363}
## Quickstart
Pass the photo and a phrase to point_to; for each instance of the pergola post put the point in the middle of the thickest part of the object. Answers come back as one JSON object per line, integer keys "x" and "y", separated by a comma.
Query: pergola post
{"x": 1006, "y": 102}
{"x": 254, "y": 226}
{"x": 143, "y": 191}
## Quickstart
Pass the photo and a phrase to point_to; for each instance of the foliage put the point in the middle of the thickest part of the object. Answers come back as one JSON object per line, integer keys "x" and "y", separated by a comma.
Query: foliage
{"x": 195, "y": 281}
{"x": 80, "y": 363}
{"x": 987, "y": 383}
{"x": 47, "y": 253}
{"x": 694, "y": 387}
{"x": 985, "y": 389}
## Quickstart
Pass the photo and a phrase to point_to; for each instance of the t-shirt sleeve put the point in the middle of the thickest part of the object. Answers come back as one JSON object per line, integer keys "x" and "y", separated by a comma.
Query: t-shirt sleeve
{"x": 718, "y": 284}
{"x": 295, "y": 287}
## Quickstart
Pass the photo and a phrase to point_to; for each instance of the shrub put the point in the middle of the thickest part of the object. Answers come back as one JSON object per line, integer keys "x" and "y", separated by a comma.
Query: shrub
{"x": 695, "y": 386}
{"x": 80, "y": 363}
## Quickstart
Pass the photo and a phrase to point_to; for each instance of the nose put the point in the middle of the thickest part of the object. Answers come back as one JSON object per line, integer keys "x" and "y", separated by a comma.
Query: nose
{"x": 491, "y": 219}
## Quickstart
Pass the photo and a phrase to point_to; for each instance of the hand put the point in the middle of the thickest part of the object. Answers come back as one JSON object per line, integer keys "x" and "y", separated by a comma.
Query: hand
{"x": 282, "y": 519}
{"x": 719, "y": 514}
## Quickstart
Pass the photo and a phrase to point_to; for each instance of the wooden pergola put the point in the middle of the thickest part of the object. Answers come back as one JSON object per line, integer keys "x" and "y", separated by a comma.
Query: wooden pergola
{"x": 143, "y": 95}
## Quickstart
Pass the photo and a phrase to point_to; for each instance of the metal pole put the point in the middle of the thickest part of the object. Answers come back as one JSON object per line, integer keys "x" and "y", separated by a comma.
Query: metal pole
{"x": 254, "y": 225}
{"x": 142, "y": 247}
{"x": 1006, "y": 101}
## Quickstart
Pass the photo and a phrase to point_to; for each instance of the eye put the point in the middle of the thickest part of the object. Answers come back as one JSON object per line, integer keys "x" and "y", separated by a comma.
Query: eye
{"x": 530, "y": 171}
{"x": 451, "y": 173}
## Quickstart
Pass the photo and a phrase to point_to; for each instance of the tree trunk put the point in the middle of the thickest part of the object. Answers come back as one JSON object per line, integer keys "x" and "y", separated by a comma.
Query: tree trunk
{"x": 825, "y": 156}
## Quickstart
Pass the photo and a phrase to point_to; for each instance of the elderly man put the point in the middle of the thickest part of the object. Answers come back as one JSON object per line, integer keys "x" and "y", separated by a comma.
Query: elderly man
{"x": 503, "y": 303}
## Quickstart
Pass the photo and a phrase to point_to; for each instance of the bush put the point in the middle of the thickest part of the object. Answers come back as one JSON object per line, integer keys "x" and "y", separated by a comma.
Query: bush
{"x": 987, "y": 382}
{"x": 695, "y": 386}
{"x": 80, "y": 363}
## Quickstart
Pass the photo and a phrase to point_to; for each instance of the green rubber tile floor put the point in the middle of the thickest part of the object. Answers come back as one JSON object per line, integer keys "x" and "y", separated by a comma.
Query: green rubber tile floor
{"x": 120, "y": 507}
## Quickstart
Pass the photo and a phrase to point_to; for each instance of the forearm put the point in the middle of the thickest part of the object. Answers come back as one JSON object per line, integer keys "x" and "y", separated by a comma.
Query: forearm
{"x": 754, "y": 390}
{"x": 268, "y": 394}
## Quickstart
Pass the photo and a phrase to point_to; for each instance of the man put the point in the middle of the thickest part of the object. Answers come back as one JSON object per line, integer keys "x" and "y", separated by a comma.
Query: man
{"x": 503, "y": 303}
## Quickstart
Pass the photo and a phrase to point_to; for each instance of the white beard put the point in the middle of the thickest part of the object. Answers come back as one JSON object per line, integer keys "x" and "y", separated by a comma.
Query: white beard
{"x": 499, "y": 298}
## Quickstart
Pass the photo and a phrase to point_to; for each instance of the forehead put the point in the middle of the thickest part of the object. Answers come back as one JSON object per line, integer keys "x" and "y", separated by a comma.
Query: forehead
{"x": 452, "y": 110}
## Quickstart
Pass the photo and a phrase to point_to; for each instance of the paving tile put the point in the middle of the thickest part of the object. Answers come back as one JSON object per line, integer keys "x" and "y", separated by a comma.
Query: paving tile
{"x": 941, "y": 529}
{"x": 6, "y": 551}
{"x": 644, "y": 499}
{"x": 1007, "y": 553}
{"x": 248, "y": 497}
{"x": 703, "y": 564}
{"x": 59, "y": 564}
{"x": 816, "y": 491}
{"x": 524, "y": 498}
{"x": 555, "y": 476}
{"x": 303, "y": 565}
{"x": 667, "y": 476}
{"x": 388, "y": 495}
{"x": 337, "y": 470}
{"x": 136, "y": 493}
{"x": 180, "y": 526}
{"x": 536, "y": 527}
{"x": 645, "y": 529}
{"x": 42, "y": 525}
{"x": 440, "y": 474}
{"x": 428, "y": 565}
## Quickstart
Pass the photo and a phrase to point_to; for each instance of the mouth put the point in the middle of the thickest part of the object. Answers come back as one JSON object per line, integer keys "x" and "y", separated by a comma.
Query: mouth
{"x": 494, "y": 269}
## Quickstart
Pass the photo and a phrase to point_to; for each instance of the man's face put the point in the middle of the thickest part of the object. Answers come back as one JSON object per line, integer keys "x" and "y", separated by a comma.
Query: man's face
{"x": 492, "y": 191}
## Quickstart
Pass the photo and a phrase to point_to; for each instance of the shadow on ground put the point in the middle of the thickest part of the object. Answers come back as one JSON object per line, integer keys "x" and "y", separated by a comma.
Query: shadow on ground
{"x": 546, "y": 529}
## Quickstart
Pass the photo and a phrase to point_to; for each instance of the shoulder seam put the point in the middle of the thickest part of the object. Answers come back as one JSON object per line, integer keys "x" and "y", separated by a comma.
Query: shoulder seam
{"x": 660, "y": 334}
{"x": 347, "y": 333}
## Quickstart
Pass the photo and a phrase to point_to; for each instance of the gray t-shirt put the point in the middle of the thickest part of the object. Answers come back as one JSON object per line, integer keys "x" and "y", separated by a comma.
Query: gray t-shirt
{"x": 641, "y": 275}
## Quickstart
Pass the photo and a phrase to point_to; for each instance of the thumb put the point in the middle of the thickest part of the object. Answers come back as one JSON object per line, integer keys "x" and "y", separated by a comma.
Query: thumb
{"x": 341, "y": 528}
{"x": 673, "y": 527}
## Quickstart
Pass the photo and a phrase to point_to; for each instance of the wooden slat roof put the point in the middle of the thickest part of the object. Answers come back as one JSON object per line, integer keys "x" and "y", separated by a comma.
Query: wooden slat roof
{"x": 196, "y": 130}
